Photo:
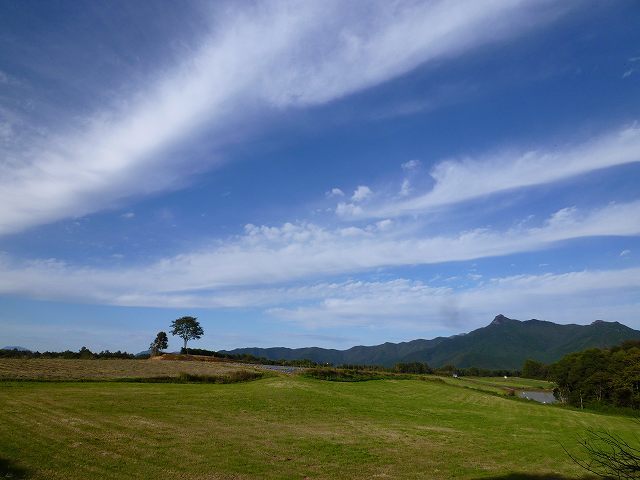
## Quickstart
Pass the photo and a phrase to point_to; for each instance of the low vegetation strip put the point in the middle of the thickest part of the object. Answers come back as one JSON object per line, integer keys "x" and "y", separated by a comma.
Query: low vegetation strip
{"x": 232, "y": 377}
{"x": 359, "y": 375}
{"x": 59, "y": 369}
{"x": 345, "y": 375}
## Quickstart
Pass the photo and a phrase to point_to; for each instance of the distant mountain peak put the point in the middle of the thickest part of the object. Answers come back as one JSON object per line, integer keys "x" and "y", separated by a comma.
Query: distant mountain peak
{"x": 15, "y": 347}
{"x": 501, "y": 320}
{"x": 504, "y": 344}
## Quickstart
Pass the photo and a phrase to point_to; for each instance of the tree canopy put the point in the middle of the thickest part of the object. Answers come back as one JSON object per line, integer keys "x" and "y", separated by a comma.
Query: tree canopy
{"x": 187, "y": 328}
{"x": 595, "y": 376}
{"x": 160, "y": 343}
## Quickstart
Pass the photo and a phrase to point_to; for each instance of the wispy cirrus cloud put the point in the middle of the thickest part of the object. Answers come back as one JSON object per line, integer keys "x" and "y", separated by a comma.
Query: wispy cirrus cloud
{"x": 459, "y": 180}
{"x": 270, "y": 256}
{"x": 273, "y": 57}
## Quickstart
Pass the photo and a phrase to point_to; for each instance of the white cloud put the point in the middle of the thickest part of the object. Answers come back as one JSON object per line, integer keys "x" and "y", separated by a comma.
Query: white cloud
{"x": 405, "y": 188}
{"x": 274, "y": 56}
{"x": 266, "y": 255}
{"x": 579, "y": 297}
{"x": 128, "y": 215}
{"x": 385, "y": 224}
{"x": 334, "y": 192}
{"x": 400, "y": 303}
{"x": 411, "y": 165}
{"x": 463, "y": 179}
{"x": 628, "y": 73}
{"x": 624, "y": 253}
{"x": 361, "y": 194}
{"x": 348, "y": 210}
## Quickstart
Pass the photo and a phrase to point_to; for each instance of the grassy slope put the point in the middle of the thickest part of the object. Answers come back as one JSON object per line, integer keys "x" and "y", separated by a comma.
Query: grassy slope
{"x": 282, "y": 427}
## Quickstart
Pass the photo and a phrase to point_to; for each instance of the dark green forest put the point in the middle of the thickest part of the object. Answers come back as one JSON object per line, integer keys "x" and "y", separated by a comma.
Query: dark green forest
{"x": 594, "y": 377}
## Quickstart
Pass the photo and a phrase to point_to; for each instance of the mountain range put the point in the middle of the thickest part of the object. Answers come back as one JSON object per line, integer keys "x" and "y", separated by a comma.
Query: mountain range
{"x": 503, "y": 344}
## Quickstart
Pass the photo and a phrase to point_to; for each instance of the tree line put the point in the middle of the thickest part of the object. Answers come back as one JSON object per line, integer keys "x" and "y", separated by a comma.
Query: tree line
{"x": 84, "y": 353}
{"x": 187, "y": 328}
{"x": 595, "y": 376}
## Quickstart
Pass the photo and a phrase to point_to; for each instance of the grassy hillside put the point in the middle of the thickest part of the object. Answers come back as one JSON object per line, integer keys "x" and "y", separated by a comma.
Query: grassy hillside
{"x": 283, "y": 427}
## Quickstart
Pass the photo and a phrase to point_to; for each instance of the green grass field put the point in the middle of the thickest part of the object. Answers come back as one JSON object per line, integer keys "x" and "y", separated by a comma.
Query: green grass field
{"x": 283, "y": 427}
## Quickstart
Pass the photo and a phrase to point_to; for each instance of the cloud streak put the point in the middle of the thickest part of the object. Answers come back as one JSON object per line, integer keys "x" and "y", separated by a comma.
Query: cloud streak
{"x": 460, "y": 180}
{"x": 268, "y": 256}
{"x": 277, "y": 56}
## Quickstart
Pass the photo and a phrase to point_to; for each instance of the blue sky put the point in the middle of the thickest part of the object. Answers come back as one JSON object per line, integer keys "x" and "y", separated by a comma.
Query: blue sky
{"x": 315, "y": 173}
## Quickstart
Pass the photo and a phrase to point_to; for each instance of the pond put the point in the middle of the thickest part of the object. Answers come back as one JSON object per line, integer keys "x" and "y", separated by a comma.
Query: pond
{"x": 542, "y": 397}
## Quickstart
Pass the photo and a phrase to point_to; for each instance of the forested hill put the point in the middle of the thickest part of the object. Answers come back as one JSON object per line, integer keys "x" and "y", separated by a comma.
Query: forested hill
{"x": 503, "y": 344}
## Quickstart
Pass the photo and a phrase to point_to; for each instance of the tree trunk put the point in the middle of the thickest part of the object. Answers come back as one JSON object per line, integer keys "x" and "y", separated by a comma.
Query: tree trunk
{"x": 185, "y": 345}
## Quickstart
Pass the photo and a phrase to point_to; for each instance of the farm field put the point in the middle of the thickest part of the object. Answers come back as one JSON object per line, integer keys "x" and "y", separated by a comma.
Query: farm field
{"x": 62, "y": 369}
{"x": 284, "y": 426}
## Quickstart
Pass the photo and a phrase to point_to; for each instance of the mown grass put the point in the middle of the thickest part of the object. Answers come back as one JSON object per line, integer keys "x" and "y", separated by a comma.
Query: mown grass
{"x": 284, "y": 427}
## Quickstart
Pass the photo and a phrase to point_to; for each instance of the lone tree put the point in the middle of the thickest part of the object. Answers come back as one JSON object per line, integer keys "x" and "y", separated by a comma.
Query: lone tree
{"x": 160, "y": 343}
{"x": 187, "y": 328}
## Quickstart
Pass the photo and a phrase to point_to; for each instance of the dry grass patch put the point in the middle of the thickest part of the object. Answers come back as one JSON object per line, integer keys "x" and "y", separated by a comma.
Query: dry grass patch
{"x": 62, "y": 369}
